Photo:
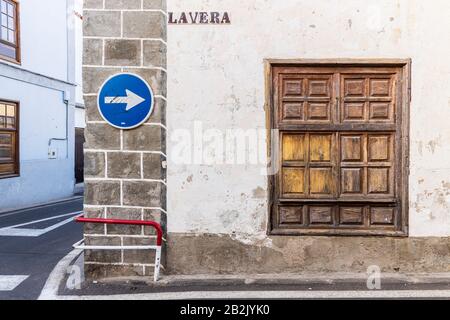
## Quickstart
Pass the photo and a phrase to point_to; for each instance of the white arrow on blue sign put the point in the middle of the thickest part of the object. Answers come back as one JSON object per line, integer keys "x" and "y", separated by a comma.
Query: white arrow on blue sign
{"x": 125, "y": 101}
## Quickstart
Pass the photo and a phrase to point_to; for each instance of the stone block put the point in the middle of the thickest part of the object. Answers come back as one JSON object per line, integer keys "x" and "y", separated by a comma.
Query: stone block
{"x": 94, "y": 228}
{"x": 124, "y": 214}
{"x": 93, "y": 78}
{"x": 155, "y": 4}
{"x": 104, "y": 256}
{"x": 124, "y": 165}
{"x": 94, "y": 164}
{"x": 92, "y": 52}
{"x": 122, "y": 52}
{"x": 143, "y": 138}
{"x": 139, "y": 256}
{"x": 95, "y": 271}
{"x": 91, "y": 109}
{"x": 122, "y": 4}
{"x": 142, "y": 193}
{"x": 102, "y": 193}
{"x": 101, "y": 136}
{"x": 152, "y": 166}
{"x": 155, "y": 53}
{"x": 93, "y": 4}
{"x": 157, "y": 216}
{"x": 159, "y": 112}
{"x": 101, "y": 23}
{"x": 144, "y": 24}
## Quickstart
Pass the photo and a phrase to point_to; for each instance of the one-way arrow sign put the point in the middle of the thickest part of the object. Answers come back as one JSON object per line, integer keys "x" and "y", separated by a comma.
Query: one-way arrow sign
{"x": 132, "y": 99}
{"x": 125, "y": 101}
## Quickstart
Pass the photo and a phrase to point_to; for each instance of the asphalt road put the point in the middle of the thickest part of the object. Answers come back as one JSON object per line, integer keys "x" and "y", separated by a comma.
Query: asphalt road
{"x": 32, "y": 241}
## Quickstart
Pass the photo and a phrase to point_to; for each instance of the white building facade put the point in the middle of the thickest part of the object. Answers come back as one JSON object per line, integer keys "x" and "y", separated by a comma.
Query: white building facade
{"x": 231, "y": 66}
{"x": 38, "y": 87}
{"x": 299, "y": 136}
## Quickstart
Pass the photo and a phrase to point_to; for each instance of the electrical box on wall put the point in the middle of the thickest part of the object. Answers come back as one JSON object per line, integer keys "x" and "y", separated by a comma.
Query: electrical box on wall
{"x": 66, "y": 96}
{"x": 52, "y": 153}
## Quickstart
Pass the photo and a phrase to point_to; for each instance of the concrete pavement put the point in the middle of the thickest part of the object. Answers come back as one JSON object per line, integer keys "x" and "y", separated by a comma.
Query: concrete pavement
{"x": 204, "y": 287}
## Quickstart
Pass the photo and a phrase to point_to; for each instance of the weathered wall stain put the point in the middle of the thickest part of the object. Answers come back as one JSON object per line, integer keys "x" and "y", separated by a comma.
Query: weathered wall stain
{"x": 225, "y": 66}
{"x": 259, "y": 193}
{"x": 433, "y": 144}
{"x": 221, "y": 254}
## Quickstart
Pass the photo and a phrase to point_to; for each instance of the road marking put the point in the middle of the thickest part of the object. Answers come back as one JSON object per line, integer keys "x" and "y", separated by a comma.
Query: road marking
{"x": 15, "y": 231}
{"x": 205, "y": 295}
{"x": 9, "y": 283}
{"x": 50, "y": 290}
{"x": 2, "y": 215}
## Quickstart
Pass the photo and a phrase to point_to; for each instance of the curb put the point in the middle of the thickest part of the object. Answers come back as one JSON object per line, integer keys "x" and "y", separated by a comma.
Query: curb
{"x": 40, "y": 205}
{"x": 51, "y": 287}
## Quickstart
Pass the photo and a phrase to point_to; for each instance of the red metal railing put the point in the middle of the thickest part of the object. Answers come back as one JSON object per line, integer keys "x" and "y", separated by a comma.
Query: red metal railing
{"x": 155, "y": 225}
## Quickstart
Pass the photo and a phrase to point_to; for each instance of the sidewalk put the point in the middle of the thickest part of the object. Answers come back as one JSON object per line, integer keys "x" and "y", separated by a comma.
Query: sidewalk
{"x": 275, "y": 286}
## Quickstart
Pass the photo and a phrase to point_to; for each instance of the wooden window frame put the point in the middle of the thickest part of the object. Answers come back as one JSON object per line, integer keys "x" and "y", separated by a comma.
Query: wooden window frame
{"x": 17, "y": 138}
{"x": 403, "y": 160}
{"x": 18, "y": 59}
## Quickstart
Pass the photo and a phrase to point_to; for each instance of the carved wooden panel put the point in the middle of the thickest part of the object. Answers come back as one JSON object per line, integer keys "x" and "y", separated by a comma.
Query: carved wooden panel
{"x": 293, "y": 181}
{"x": 340, "y": 150}
{"x": 382, "y": 216}
{"x": 294, "y": 148}
{"x": 351, "y": 215}
{"x": 291, "y": 215}
{"x": 366, "y": 165}
{"x": 320, "y": 215}
{"x": 306, "y": 98}
{"x": 367, "y": 98}
{"x": 308, "y": 165}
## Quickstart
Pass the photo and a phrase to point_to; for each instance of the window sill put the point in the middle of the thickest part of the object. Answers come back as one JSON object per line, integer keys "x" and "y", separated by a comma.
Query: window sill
{"x": 10, "y": 60}
{"x": 338, "y": 232}
{"x": 9, "y": 176}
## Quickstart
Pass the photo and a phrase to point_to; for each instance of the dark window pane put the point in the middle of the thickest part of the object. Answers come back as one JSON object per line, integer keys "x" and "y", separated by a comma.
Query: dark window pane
{"x": 6, "y": 146}
{"x": 10, "y": 110}
{"x": 8, "y": 154}
{"x": 5, "y": 153}
{"x": 10, "y": 116}
{"x": 10, "y": 123}
{"x": 2, "y": 115}
{"x": 5, "y": 139}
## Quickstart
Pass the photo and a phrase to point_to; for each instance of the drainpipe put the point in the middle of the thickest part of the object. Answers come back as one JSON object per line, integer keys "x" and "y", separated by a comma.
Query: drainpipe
{"x": 66, "y": 99}
{"x": 66, "y": 95}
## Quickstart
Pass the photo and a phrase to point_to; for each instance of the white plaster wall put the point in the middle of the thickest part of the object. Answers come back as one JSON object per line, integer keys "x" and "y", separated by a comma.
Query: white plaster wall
{"x": 216, "y": 75}
{"x": 80, "y": 114}
{"x": 42, "y": 116}
{"x": 78, "y": 30}
{"x": 43, "y": 37}
{"x": 47, "y": 38}
{"x": 80, "y": 118}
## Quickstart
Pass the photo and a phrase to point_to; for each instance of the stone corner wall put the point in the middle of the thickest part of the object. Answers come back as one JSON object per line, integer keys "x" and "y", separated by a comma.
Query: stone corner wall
{"x": 124, "y": 169}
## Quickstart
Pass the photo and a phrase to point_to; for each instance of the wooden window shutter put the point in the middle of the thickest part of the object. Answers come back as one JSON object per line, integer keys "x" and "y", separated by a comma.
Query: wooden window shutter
{"x": 343, "y": 147}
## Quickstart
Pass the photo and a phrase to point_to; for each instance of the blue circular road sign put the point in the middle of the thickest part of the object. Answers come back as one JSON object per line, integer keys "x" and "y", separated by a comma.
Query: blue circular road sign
{"x": 125, "y": 101}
